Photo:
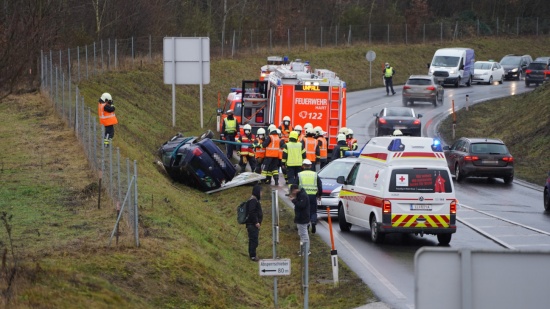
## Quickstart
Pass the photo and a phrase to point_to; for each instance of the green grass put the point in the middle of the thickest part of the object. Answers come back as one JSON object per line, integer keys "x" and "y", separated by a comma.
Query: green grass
{"x": 192, "y": 254}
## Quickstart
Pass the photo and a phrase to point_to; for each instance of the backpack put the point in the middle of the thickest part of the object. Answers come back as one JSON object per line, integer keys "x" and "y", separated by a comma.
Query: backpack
{"x": 242, "y": 212}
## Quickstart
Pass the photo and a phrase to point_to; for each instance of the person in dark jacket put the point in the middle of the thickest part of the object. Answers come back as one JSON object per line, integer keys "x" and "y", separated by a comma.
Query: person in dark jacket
{"x": 300, "y": 199}
{"x": 340, "y": 149}
{"x": 254, "y": 221}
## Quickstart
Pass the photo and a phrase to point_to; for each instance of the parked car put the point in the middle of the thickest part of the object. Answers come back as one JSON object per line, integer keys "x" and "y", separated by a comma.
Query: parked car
{"x": 196, "y": 162}
{"x": 397, "y": 118}
{"x": 480, "y": 157}
{"x": 543, "y": 59}
{"x": 537, "y": 73}
{"x": 422, "y": 88}
{"x": 547, "y": 194}
{"x": 331, "y": 189}
{"x": 488, "y": 72}
{"x": 515, "y": 65}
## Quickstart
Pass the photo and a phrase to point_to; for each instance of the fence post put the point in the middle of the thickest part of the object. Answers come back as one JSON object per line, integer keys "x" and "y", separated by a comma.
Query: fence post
{"x": 150, "y": 57}
{"x": 478, "y": 27}
{"x": 305, "y": 38}
{"x": 388, "y": 33}
{"x": 424, "y": 34}
{"x": 349, "y": 36}
{"x": 95, "y": 60}
{"x": 55, "y": 91}
{"x": 321, "y": 36}
{"x": 136, "y": 215}
{"x": 41, "y": 70}
{"x": 517, "y": 25}
{"x": 86, "y": 61}
{"x": 101, "y": 51}
{"x": 537, "y": 26}
{"x": 441, "y": 34}
{"x": 78, "y": 62}
{"x": 133, "y": 53}
{"x": 116, "y": 55}
{"x": 406, "y": 34}
{"x": 51, "y": 73}
{"x": 369, "y": 34}
{"x": 62, "y": 94}
{"x": 118, "y": 175}
{"x": 270, "y": 39}
{"x": 233, "y": 47}
{"x": 497, "y": 26}
{"x": 336, "y": 36}
{"x": 288, "y": 37}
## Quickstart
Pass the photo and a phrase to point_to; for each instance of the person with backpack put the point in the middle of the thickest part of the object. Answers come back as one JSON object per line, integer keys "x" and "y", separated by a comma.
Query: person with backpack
{"x": 254, "y": 221}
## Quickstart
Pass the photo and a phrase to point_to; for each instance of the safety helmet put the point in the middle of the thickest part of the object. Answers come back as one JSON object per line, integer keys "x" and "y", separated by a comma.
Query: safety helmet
{"x": 229, "y": 112}
{"x": 298, "y": 128}
{"x": 310, "y": 131}
{"x": 306, "y": 162}
{"x": 387, "y": 65}
{"x": 397, "y": 133}
{"x": 261, "y": 131}
{"x": 341, "y": 137}
{"x": 247, "y": 127}
{"x": 286, "y": 118}
{"x": 106, "y": 97}
{"x": 293, "y": 135}
{"x": 271, "y": 128}
{"x": 318, "y": 130}
{"x": 350, "y": 132}
{"x": 343, "y": 130}
{"x": 308, "y": 125}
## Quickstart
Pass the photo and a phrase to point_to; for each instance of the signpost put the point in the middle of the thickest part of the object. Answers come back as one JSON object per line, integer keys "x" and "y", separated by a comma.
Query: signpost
{"x": 275, "y": 267}
{"x": 371, "y": 55}
{"x": 186, "y": 62}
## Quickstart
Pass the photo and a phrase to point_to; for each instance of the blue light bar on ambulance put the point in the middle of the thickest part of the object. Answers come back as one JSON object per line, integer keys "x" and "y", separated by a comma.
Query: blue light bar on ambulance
{"x": 436, "y": 146}
{"x": 236, "y": 89}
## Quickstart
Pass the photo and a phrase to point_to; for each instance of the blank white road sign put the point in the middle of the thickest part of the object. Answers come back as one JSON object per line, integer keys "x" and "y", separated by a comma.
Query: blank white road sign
{"x": 184, "y": 58}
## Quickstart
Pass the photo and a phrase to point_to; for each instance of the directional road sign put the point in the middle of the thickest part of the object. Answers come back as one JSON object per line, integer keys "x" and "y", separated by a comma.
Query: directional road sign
{"x": 275, "y": 267}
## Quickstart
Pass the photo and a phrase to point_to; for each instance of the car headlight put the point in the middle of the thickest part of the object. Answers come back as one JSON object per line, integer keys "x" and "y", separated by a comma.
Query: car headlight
{"x": 452, "y": 72}
{"x": 335, "y": 192}
{"x": 431, "y": 71}
{"x": 515, "y": 70}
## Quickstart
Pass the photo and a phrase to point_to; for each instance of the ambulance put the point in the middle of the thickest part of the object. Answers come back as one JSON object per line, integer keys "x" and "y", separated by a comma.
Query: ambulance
{"x": 399, "y": 184}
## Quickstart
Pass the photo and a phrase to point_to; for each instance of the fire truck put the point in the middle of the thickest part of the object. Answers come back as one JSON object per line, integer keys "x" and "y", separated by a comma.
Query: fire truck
{"x": 318, "y": 98}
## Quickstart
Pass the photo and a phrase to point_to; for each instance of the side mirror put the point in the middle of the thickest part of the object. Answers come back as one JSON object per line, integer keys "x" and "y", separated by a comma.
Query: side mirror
{"x": 461, "y": 67}
{"x": 427, "y": 65}
{"x": 446, "y": 148}
{"x": 375, "y": 115}
{"x": 341, "y": 180}
{"x": 419, "y": 116}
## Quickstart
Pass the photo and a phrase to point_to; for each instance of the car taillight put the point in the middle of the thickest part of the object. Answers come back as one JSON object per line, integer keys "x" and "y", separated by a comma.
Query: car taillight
{"x": 406, "y": 87}
{"x": 197, "y": 152}
{"x": 527, "y": 71}
{"x": 387, "y": 206}
{"x": 416, "y": 121}
{"x": 509, "y": 159}
{"x": 431, "y": 88}
{"x": 471, "y": 158}
{"x": 382, "y": 120}
{"x": 453, "y": 206}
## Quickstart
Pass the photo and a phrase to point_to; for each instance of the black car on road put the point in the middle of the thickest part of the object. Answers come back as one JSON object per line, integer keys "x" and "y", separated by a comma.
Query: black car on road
{"x": 398, "y": 118}
{"x": 515, "y": 65}
{"x": 537, "y": 73}
{"x": 480, "y": 157}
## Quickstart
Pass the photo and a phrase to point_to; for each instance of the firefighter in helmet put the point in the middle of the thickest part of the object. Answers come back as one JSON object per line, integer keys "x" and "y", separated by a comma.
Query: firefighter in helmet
{"x": 230, "y": 128}
{"x": 340, "y": 149}
{"x": 298, "y": 129}
{"x": 270, "y": 167}
{"x": 285, "y": 128}
{"x": 311, "y": 146}
{"x": 352, "y": 142}
{"x": 259, "y": 151}
{"x": 293, "y": 156}
{"x": 323, "y": 146}
{"x": 245, "y": 151}
{"x": 107, "y": 118}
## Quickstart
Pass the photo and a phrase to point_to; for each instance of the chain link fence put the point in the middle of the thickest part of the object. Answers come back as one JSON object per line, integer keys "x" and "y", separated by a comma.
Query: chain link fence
{"x": 117, "y": 176}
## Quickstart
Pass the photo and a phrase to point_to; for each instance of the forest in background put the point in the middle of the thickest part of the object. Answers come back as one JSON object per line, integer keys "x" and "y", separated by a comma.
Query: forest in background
{"x": 31, "y": 26}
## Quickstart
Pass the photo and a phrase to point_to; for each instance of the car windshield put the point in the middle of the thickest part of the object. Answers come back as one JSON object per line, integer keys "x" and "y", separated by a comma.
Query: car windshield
{"x": 483, "y": 66}
{"x": 406, "y": 112}
{"x": 537, "y": 66}
{"x": 421, "y": 180}
{"x": 445, "y": 61}
{"x": 336, "y": 168}
{"x": 510, "y": 60}
{"x": 488, "y": 148}
{"x": 419, "y": 81}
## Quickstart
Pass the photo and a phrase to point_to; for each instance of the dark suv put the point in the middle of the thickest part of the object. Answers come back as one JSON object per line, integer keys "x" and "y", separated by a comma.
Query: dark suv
{"x": 537, "y": 73}
{"x": 480, "y": 157}
{"x": 514, "y": 65}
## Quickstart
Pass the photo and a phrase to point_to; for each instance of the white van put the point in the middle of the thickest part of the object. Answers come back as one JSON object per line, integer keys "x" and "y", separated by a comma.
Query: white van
{"x": 399, "y": 184}
{"x": 453, "y": 66}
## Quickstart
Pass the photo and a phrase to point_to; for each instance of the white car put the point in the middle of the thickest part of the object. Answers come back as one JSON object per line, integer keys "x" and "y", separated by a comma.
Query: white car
{"x": 488, "y": 72}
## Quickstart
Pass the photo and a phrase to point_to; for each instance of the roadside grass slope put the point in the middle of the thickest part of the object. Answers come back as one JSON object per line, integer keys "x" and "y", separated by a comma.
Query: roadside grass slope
{"x": 192, "y": 254}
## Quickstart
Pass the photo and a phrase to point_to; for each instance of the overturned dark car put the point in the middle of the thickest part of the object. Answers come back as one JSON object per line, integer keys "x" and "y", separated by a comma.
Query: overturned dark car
{"x": 196, "y": 162}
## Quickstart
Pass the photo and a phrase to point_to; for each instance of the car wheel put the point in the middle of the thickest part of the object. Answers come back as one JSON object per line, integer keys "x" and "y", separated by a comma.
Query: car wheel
{"x": 546, "y": 200}
{"x": 490, "y": 80}
{"x": 375, "y": 235}
{"x": 434, "y": 102}
{"x": 344, "y": 225}
{"x": 526, "y": 84}
{"x": 508, "y": 179}
{"x": 457, "y": 82}
{"x": 207, "y": 134}
{"x": 444, "y": 239}
{"x": 501, "y": 80}
{"x": 458, "y": 173}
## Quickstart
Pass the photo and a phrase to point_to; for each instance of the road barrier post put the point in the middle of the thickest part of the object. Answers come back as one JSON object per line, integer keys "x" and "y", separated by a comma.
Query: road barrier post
{"x": 467, "y": 101}
{"x": 454, "y": 117}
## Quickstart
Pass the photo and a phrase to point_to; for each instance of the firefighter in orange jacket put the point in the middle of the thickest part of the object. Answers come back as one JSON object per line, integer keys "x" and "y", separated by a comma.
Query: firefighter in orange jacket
{"x": 351, "y": 141}
{"x": 246, "y": 152}
{"x": 107, "y": 117}
{"x": 285, "y": 128}
{"x": 323, "y": 146}
{"x": 270, "y": 167}
{"x": 311, "y": 146}
{"x": 259, "y": 150}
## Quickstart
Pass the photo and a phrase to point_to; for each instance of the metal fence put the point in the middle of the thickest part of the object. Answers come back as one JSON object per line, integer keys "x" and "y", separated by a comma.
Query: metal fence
{"x": 117, "y": 177}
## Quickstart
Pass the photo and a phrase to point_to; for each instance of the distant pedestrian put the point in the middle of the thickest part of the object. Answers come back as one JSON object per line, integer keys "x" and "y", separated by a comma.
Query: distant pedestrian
{"x": 388, "y": 78}
{"x": 300, "y": 199}
{"x": 107, "y": 117}
{"x": 254, "y": 221}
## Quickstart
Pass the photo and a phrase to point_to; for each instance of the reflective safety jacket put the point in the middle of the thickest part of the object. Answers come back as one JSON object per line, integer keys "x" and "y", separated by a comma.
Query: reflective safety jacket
{"x": 312, "y": 151}
{"x": 293, "y": 153}
{"x": 230, "y": 125}
{"x": 274, "y": 147}
{"x": 352, "y": 143}
{"x": 323, "y": 150}
{"x": 285, "y": 131}
{"x": 259, "y": 150}
{"x": 245, "y": 149}
{"x": 106, "y": 118}
{"x": 388, "y": 72}
{"x": 309, "y": 180}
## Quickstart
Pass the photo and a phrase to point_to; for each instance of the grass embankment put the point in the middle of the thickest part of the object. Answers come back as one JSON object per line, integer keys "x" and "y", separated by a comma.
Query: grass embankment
{"x": 192, "y": 254}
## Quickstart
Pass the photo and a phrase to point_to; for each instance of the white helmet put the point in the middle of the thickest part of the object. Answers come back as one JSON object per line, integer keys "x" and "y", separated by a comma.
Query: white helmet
{"x": 310, "y": 131}
{"x": 318, "y": 130}
{"x": 308, "y": 125}
{"x": 350, "y": 132}
{"x": 341, "y": 137}
{"x": 286, "y": 118}
{"x": 271, "y": 128}
{"x": 229, "y": 112}
{"x": 261, "y": 131}
{"x": 247, "y": 127}
{"x": 306, "y": 162}
{"x": 298, "y": 128}
{"x": 343, "y": 130}
{"x": 279, "y": 132}
{"x": 106, "y": 97}
{"x": 397, "y": 133}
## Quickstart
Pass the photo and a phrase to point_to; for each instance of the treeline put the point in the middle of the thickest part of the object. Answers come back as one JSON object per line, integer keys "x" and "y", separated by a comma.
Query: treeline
{"x": 29, "y": 26}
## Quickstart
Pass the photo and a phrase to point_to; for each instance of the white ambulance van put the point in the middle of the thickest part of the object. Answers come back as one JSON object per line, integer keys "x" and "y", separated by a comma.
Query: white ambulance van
{"x": 399, "y": 184}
